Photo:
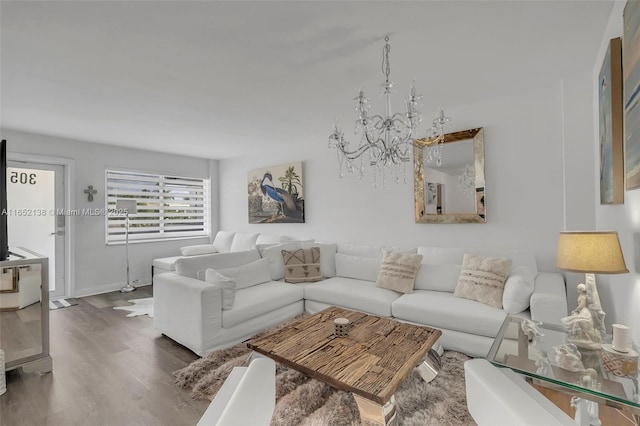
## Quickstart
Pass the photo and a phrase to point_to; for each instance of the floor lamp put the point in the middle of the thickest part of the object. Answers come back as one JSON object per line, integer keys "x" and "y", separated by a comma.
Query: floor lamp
{"x": 128, "y": 207}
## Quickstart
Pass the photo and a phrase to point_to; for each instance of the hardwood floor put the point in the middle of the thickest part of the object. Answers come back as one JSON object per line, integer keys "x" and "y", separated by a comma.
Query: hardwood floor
{"x": 113, "y": 370}
{"x": 107, "y": 370}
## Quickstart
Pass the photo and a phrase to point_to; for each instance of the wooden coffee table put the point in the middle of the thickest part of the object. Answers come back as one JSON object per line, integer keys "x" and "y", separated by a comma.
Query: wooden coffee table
{"x": 371, "y": 362}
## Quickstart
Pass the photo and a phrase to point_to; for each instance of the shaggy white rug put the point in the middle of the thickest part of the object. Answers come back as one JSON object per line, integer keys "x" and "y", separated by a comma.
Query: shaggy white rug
{"x": 305, "y": 401}
{"x": 140, "y": 307}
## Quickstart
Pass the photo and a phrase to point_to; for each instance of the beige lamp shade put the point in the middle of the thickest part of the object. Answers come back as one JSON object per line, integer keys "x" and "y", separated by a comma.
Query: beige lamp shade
{"x": 596, "y": 252}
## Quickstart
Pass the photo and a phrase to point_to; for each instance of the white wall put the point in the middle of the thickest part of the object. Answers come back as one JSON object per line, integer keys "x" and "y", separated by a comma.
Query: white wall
{"x": 98, "y": 267}
{"x": 525, "y": 138}
{"x": 620, "y": 294}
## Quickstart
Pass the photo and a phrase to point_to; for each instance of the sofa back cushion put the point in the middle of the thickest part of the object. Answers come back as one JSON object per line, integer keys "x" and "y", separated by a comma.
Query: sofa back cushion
{"x": 271, "y": 239}
{"x": 191, "y": 266}
{"x": 360, "y": 250}
{"x": 243, "y": 241}
{"x": 442, "y": 277}
{"x": 357, "y": 267}
{"x": 248, "y": 275}
{"x": 223, "y": 241}
{"x": 198, "y": 249}
{"x": 273, "y": 254}
{"x": 454, "y": 255}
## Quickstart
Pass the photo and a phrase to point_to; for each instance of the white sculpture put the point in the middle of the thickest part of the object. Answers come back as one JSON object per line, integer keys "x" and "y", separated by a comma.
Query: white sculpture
{"x": 587, "y": 412}
{"x": 544, "y": 365}
{"x": 568, "y": 357}
{"x": 530, "y": 328}
{"x": 585, "y": 321}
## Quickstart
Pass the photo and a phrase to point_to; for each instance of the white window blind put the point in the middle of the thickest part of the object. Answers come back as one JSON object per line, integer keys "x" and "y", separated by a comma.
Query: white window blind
{"x": 169, "y": 207}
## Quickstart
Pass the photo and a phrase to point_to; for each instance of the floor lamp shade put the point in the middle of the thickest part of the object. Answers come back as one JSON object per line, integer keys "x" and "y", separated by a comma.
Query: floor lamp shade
{"x": 595, "y": 252}
{"x": 128, "y": 206}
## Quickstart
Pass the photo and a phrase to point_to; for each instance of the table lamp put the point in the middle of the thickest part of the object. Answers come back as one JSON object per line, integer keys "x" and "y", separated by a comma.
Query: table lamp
{"x": 129, "y": 207}
{"x": 592, "y": 252}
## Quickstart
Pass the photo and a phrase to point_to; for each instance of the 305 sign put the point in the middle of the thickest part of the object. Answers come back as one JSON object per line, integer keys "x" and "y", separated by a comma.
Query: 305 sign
{"x": 23, "y": 178}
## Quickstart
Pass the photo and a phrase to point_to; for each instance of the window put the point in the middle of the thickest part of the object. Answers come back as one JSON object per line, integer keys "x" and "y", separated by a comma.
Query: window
{"x": 169, "y": 207}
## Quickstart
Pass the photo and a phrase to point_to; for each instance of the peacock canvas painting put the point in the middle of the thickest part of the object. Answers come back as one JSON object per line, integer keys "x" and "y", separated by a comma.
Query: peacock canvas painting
{"x": 275, "y": 194}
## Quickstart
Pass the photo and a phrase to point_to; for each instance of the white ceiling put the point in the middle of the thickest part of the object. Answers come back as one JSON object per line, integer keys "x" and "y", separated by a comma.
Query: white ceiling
{"x": 222, "y": 79}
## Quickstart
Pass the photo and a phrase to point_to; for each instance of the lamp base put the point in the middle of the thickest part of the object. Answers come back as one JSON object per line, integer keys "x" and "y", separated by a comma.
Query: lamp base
{"x": 127, "y": 289}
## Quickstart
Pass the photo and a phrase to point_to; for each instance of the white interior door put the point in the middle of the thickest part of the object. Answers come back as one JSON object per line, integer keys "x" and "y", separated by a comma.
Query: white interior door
{"x": 35, "y": 196}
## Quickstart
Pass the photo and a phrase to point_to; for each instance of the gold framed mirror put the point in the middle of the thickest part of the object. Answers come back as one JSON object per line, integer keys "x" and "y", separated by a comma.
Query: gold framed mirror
{"x": 452, "y": 189}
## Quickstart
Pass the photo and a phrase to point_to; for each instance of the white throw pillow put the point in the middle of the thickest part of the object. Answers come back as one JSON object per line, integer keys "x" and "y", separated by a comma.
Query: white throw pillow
{"x": 482, "y": 279}
{"x": 442, "y": 277}
{"x": 273, "y": 254}
{"x": 517, "y": 290}
{"x": 250, "y": 274}
{"x": 243, "y": 241}
{"x": 223, "y": 241}
{"x": 360, "y": 268}
{"x": 398, "y": 271}
{"x": 327, "y": 257}
{"x": 198, "y": 249}
{"x": 226, "y": 284}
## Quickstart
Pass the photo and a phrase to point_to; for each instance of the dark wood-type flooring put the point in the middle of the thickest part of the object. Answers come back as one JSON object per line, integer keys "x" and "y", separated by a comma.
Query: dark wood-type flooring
{"x": 107, "y": 370}
{"x": 113, "y": 370}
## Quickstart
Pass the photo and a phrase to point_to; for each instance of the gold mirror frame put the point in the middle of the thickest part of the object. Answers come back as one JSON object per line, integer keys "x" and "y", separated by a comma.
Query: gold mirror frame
{"x": 477, "y": 135}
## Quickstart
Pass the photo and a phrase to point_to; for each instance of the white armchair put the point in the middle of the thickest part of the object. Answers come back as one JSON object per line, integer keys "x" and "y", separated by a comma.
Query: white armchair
{"x": 499, "y": 396}
{"x": 247, "y": 397}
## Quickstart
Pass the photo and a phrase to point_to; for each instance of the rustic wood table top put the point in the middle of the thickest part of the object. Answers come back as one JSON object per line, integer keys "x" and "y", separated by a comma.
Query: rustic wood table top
{"x": 372, "y": 361}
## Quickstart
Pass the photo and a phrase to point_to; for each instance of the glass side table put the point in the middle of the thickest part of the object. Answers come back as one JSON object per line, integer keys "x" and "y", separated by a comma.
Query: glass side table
{"x": 544, "y": 354}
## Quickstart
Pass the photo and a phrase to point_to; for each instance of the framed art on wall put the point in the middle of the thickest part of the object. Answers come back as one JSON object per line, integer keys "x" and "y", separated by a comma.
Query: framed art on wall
{"x": 631, "y": 79}
{"x": 611, "y": 132}
{"x": 275, "y": 194}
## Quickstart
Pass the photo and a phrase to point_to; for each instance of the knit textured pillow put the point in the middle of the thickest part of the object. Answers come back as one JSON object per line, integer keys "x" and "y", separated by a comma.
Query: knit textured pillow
{"x": 398, "y": 271}
{"x": 302, "y": 265}
{"x": 482, "y": 279}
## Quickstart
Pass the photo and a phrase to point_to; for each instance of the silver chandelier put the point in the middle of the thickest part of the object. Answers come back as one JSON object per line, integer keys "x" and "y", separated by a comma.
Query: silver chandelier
{"x": 387, "y": 139}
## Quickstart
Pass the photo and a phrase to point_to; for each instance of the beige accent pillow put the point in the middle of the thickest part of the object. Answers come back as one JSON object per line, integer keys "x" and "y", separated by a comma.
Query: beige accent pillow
{"x": 482, "y": 279}
{"x": 398, "y": 271}
{"x": 302, "y": 265}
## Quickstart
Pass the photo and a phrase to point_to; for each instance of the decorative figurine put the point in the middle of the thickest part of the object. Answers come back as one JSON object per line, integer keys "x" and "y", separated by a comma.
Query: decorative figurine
{"x": 544, "y": 365}
{"x": 568, "y": 357}
{"x": 581, "y": 324}
{"x": 530, "y": 328}
{"x": 587, "y": 412}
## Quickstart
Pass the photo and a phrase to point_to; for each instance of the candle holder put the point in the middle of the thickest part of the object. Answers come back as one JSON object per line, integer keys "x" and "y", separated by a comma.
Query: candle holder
{"x": 341, "y": 327}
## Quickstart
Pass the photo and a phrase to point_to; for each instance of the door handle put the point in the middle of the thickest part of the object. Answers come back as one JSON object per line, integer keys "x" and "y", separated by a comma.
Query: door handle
{"x": 57, "y": 233}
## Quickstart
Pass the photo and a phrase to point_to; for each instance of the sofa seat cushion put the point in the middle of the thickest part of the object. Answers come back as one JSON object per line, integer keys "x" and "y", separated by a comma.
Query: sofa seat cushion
{"x": 352, "y": 294}
{"x": 166, "y": 263}
{"x": 441, "y": 309}
{"x": 260, "y": 299}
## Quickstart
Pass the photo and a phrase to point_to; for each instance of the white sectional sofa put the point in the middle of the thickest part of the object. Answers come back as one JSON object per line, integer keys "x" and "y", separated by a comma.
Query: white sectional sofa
{"x": 225, "y": 242}
{"x": 190, "y": 310}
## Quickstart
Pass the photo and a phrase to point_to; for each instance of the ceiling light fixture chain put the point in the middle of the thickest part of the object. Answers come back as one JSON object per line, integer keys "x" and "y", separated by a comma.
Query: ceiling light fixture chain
{"x": 388, "y": 138}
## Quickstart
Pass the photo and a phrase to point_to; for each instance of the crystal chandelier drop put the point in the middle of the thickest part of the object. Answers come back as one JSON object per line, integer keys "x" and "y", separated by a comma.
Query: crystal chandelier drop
{"x": 386, "y": 139}
{"x": 433, "y": 153}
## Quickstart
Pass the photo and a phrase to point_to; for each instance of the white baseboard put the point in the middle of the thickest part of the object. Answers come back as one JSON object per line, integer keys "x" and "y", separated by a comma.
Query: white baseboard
{"x": 92, "y": 291}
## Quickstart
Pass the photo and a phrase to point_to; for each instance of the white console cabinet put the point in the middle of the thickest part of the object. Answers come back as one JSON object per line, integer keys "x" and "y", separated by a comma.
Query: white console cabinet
{"x": 24, "y": 311}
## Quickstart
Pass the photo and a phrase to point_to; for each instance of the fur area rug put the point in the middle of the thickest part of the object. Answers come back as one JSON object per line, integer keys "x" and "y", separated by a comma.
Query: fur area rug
{"x": 305, "y": 401}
